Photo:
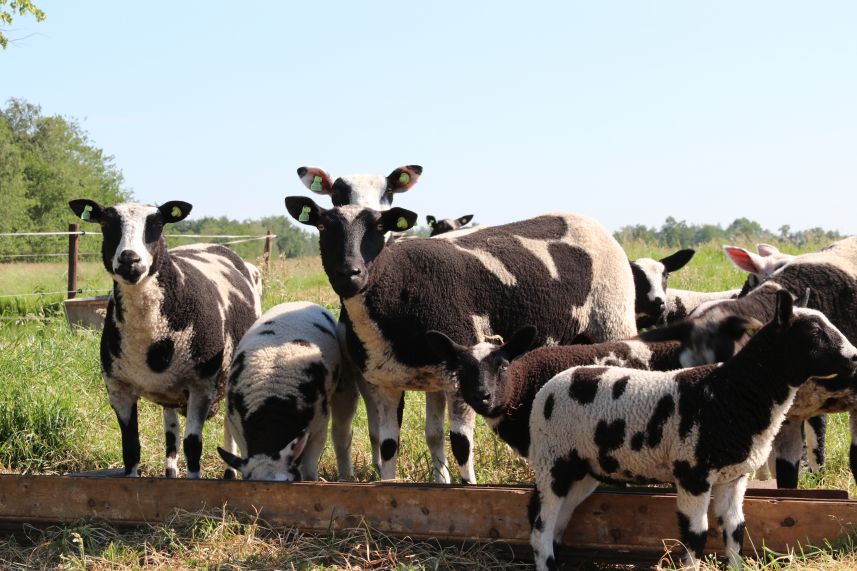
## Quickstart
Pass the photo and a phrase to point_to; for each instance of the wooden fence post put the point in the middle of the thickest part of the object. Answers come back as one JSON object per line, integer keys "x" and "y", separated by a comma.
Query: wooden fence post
{"x": 267, "y": 252}
{"x": 73, "y": 240}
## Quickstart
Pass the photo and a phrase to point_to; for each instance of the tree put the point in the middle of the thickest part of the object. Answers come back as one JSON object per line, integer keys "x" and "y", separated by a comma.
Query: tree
{"x": 11, "y": 9}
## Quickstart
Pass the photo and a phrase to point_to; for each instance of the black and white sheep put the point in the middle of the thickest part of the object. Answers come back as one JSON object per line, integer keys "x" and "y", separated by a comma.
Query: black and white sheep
{"x": 282, "y": 379}
{"x": 500, "y": 383}
{"x": 703, "y": 428}
{"x": 831, "y": 275}
{"x": 172, "y": 323}
{"x": 562, "y": 271}
{"x": 447, "y": 224}
{"x": 650, "y": 281}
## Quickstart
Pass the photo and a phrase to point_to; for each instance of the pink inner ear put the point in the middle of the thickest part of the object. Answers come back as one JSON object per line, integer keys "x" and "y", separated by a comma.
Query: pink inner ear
{"x": 742, "y": 259}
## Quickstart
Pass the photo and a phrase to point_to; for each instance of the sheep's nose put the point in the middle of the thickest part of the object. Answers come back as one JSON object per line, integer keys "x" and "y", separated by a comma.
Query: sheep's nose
{"x": 660, "y": 303}
{"x": 128, "y": 257}
{"x": 349, "y": 271}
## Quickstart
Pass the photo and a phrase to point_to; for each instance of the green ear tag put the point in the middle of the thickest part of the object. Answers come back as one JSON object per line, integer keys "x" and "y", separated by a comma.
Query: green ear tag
{"x": 176, "y": 212}
{"x": 86, "y": 210}
{"x": 304, "y": 217}
{"x": 404, "y": 178}
{"x": 316, "y": 184}
{"x": 402, "y": 223}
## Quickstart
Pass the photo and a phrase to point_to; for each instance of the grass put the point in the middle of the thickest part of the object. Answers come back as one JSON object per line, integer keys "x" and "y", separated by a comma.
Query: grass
{"x": 54, "y": 418}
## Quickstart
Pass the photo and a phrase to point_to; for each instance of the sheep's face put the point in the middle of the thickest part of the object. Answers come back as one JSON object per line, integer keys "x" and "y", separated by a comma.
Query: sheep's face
{"x": 350, "y": 238}
{"x": 829, "y": 354}
{"x": 439, "y": 227}
{"x": 650, "y": 283}
{"x": 133, "y": 234}
{"x": 283, "y": 466}
{"x": 368, "y": 190}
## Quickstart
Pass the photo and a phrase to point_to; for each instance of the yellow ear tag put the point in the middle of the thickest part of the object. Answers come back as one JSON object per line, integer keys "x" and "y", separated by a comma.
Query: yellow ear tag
{"x": 176, "y": 212}
{"x": 402, "y": 223}
{"x": 404, "y": 178}
{"x": 304, "y": 217}
{"x": 86, "y": 210}
{"x": 316, "y": 184}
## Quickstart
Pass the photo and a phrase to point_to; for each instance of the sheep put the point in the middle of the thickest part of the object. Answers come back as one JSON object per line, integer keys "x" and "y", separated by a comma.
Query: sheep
{"x": 282, "y": 377}
{"x": 704, "y": 428}
{"x": 831, "y": 274}
{"x": 500, "y": 383}
{"x": 377, "y": 192}
{"x": 172, "y": 323}
{"x": 650, "y": 281}
{"x": 562, "y": 271}
{"x": 447, "y": 224}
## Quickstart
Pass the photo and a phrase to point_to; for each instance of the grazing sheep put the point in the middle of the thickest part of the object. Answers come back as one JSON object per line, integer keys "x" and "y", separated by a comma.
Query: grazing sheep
{"x": 831, "y": 274}
{"x": 704, "y": 428}
{"x": 650, "y": 282}
{"x": 282, "y": 378}
{"x": 500, "y": 383}
{"x": 562, "y": 271}
{"x": 172, "y": 323}
{"x": 447, "y": 224}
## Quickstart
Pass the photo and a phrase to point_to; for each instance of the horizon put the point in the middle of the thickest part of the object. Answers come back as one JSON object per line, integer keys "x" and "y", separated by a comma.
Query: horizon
{"x": 626, "y": 113}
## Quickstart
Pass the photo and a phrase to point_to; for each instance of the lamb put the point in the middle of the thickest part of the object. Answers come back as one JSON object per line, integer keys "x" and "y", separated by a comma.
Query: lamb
{"x": 500, "y": 383}
{"x": 831, "y": 275}
{"x": 703, "y": 428}
{"x": 282, "y": 377}
{"x": 650, "y": 281}
{"x": 172, "y": 323}
{"x": 562, "y": 271}
{"x": 447, "y": 224}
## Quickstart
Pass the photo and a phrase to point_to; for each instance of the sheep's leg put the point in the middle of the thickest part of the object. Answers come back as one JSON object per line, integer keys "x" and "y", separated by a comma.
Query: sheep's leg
{"x": 462, "y": 421}
{"x": 124, "y": 404}
{"x": 198, "y": 404}
{"x": 693, "y": 523}
{"x": 229, "y": 444}
{"x": 579, "y": 491}
{"x": 171, "y": 436}
{"x": 343, "y": 407}
{"x": 787, "y": 450}
{"x": 435, "y": 409}
{"x": 373, "y": 421}
{"x": 314, "y": 447}
{"x": 550, "y": 514}
{"x": 815, "y": 429}
{"x": 389, "y": 403}
{"x": 728, "y": 506}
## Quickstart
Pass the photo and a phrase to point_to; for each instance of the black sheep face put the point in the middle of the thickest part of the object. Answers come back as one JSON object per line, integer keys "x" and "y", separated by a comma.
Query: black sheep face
{"x": 133, "y": 234}
{"x": 350, "y": 238}
{"x": 283, "y": 466}
{"x": 439, "y": 227}
{"x": 650, "y": 283}
{"x": 808, "y": 332}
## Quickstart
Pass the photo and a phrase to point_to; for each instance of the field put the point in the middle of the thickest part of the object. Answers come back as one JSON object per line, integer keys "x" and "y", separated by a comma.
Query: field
{"x": 54, "y": 418}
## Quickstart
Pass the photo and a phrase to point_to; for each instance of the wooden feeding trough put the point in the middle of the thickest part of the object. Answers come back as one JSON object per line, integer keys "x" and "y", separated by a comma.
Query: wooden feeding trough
{"x": 624, "y": 523}
{"x": 86, "y": 312}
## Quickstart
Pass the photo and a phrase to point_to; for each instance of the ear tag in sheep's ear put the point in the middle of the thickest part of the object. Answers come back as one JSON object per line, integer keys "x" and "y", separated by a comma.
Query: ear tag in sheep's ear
{"x": 86, "y": 210}
{"x": 402, "y": 223}
{"x": 315, "y": 187}
{"x": 304, "y": 216}
{"x": 404, "y": 178}
{"x": 176, "y": 212}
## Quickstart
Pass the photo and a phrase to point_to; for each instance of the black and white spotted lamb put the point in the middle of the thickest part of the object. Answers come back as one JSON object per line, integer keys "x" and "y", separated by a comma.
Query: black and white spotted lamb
{"x": 283, "y": 377}
{"x": 172, "y": 323}
{"x": 650, "y": 283}
{"x": 703, "y": 428}
{"x": 501, "y": 382}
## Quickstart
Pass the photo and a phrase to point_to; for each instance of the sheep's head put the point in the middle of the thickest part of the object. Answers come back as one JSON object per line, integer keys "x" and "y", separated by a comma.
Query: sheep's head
{"x": 282, "y": 466}
{"x": 650, "y": 282}
{"x": 369, "y": 190}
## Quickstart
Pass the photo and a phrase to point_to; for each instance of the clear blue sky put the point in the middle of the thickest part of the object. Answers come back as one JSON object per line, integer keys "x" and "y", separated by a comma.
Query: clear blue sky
{"x": 626, "y": 111}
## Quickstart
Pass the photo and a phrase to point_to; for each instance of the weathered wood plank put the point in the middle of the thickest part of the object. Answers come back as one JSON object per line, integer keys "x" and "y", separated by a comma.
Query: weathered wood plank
{"x": 631, "y": 521}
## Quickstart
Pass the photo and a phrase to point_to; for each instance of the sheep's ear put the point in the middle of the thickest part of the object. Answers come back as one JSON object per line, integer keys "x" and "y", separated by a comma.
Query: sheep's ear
{"x": 465, "y": 219}
{"x": 784, "y": 309}
{"x": 398, "y": 219}
{"x": 304, "y": 210}
{"x": 231, "y": 459}
{"x": 520, "y": 343}
{"x": 747, "y": 261}
{"x": 431, "y": 221}
{"x": 174, "y": 211}
{"x": 443, "y": 347}
{"x": 87, "y": 210}
{"x": 677, "y": 261}
{"x": 803, "y": 301}
{"x": 767, "y": 250}
{"x": 403, "y": 178}
{"x": 679, "y": 331}
{"x": 296, "y": 447}
{"x": 316, "y": 179}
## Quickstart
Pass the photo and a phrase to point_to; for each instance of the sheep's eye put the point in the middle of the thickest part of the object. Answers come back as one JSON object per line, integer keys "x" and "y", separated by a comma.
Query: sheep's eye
{"x": 320, "y": 227}
{"x": 380, "y": 226}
